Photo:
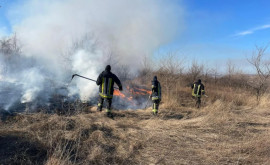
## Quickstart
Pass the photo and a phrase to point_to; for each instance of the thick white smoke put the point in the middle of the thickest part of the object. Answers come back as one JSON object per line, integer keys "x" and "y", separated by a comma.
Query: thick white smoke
{"x": 55, "y": 33}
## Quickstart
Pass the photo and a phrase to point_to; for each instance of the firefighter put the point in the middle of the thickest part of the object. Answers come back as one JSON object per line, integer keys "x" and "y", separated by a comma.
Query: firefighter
{"x": 156, "y": 95}
{"x": 197, "y": 92}
{"x": 106, "y": 81}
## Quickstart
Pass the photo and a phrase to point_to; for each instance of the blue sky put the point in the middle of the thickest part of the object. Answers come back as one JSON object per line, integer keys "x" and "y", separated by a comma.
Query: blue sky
{"x": 215, "y": 30}
{"x": 5, "y": 24}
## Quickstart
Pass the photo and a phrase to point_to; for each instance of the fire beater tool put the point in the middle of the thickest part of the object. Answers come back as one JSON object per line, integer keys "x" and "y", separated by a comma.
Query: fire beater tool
{"x": 87, "y": 79}
{"x": 147, "y": 102}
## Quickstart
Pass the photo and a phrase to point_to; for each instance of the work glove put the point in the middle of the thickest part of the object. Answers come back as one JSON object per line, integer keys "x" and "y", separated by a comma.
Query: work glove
{"x": 203, "y": 93}
{"x": 120, "y": 88}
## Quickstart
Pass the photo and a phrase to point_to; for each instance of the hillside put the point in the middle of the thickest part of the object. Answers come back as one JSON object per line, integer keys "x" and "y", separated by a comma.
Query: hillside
{"x": 218, "y": 133}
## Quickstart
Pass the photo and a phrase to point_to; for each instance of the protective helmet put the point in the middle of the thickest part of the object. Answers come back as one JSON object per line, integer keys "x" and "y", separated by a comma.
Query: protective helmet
{"x": 108, "y": 68}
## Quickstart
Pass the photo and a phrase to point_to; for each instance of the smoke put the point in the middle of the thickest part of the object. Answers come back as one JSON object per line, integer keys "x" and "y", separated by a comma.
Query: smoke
{"x": 60, "y": 38}
{"x": 35, "y": 81}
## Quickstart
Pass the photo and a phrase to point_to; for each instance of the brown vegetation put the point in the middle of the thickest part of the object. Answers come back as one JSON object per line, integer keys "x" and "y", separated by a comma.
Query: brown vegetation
{"x": 230, "y": 128}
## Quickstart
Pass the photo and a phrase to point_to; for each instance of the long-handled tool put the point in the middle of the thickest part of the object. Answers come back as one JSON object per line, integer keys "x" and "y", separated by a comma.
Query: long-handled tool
{"x": 86, "y": 78}
{"x": 147, "y": 102}
{"x": 82, "y": 77}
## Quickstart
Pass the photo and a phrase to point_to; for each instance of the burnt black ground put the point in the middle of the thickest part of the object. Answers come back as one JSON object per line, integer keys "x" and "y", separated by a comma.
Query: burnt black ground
{"x": 18, "y": 150}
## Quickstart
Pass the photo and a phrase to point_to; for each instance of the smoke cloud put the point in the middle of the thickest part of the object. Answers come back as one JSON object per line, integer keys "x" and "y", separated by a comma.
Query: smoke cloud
{"x": 60, "y": 38}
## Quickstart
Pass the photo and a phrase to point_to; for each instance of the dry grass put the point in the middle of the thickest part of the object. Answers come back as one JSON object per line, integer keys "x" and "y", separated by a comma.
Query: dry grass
{"x": 219, "y": 133}
{"x": 230, "y": 128}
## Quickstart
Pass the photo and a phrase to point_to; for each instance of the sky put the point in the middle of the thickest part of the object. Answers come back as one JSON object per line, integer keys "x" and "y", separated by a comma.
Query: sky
{"x": 212, "y": 31}
{"x": 218, "y": 30}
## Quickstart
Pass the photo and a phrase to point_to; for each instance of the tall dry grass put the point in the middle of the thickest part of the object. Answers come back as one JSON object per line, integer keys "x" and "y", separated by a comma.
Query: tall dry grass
{"x": 218, "y": 133}
{"x": 229, "y": 128}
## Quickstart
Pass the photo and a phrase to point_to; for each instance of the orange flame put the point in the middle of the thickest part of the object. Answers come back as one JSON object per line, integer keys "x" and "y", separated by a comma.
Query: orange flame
{"x": 132, "y": 92}
{"x": 144, "y": 90}
{"x": 118, "y": 93}
{"x": 139, "y": 91}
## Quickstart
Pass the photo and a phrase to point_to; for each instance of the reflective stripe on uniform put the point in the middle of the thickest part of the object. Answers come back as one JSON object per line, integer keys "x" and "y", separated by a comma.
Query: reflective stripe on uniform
{"x": 193, "y": 94}
{"x": 106, "y": 88}
{"x": 99, "y": 104}
{"x": 102, "y": 88}
{"x": 105, "y": 96}
{"x": 198, "y": 90}
{"x": 155, "y": 98}
{"x": 108, "y": 110}
{"x": 154, "y": 107}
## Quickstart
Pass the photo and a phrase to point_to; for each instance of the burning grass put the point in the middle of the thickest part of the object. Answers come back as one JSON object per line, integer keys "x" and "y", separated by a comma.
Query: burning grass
{"x": 134, "y": 95}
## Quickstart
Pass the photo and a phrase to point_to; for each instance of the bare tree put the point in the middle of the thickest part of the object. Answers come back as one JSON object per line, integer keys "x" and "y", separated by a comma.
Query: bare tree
{"x": 10, "y": 46}
{"x": 172, "y": 64}
{"x": 231, "y": 68}
{"x": 231, "y": 71}
{"x": 170, "y": 72}
{"x": 146, "y": 69}
{"x": 88, "y": 42}
{"x": 111, "y": 57}
{"x": 214, "y": 74}
{"x": 262, "y": 67}
{"x": 195, "y": 71}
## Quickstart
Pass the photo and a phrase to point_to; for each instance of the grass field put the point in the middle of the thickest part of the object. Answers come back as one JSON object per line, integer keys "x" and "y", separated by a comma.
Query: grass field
{"x": 219, "y": 133}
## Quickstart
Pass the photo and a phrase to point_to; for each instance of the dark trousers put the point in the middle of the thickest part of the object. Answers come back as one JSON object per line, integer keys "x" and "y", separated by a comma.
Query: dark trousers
{"x": 155, "y": 106}
{"x": 108, "y": 105}
{"x": 198, "y": 101}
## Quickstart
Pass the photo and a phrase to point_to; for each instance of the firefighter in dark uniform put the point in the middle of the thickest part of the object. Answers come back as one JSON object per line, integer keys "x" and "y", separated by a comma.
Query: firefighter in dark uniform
{"x": 197, "y": 92}
{"x": 156, "y": 95}
{"x": 106, "y": 81}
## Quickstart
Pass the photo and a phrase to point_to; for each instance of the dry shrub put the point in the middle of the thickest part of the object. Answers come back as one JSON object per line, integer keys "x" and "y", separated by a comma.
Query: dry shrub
{"x": 264, "y": 101}
{"x": 237, "y": 96}
{"x": 79, "y": 139}
{"x": 170, "y": 102}
{"x": 218, "y": 113}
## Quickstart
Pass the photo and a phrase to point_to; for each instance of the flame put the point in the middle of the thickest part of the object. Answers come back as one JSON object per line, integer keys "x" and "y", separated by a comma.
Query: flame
{"x": 123, "y": 96}
{"x": 144, "y": 90}
{"x": 131, "y": 93}
{"x": 118, "y": 93}
{"x": 139, "y": 91}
